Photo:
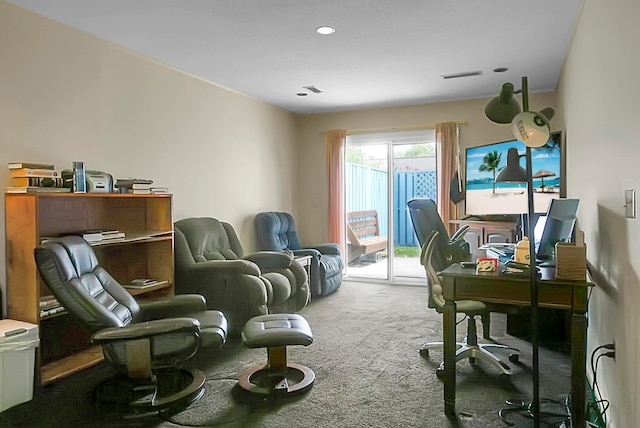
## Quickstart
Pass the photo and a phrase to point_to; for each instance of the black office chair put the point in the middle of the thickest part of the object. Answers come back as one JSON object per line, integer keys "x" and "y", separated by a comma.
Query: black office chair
{"x": 469, "y": 348}
{"x": 147, "y": 341}
{"x": 425, "y": 218}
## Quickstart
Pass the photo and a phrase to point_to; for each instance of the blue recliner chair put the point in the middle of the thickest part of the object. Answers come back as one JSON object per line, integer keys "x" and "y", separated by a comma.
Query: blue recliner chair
{"x": 276, "y": 231}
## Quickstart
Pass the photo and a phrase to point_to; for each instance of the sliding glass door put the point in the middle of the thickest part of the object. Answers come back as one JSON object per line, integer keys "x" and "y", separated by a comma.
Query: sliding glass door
{"x": 383, "y": 172}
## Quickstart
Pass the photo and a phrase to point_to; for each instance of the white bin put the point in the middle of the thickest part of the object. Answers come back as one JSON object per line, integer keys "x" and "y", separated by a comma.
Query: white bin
{"x": 18, "y": 341}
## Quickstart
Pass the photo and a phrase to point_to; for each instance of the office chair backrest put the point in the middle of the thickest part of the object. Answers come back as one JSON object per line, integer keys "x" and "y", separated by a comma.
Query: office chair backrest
{"x": 69, "y": 267}
{"x": 435, "y": 297}
{"x": 426, "y": 219}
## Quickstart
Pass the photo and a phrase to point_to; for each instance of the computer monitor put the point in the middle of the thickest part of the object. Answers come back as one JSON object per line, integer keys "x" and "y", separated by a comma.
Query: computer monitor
{"x": 558, "y": 226}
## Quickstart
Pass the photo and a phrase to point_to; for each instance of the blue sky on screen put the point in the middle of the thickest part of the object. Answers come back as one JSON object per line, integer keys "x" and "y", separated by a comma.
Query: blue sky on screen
{"x": 539, "y": 159}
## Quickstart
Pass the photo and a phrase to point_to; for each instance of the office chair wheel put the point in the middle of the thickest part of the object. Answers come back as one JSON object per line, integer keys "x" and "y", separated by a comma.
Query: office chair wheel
{"x": 472, "y": 360}
{"x": 514, "y": 358}
{"x": 440, "y": 371}
{"x": 424, "y": 352}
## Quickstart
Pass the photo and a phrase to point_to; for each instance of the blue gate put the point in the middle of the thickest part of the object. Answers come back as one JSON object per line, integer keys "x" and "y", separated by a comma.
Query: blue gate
{"x": 406, "y": 186}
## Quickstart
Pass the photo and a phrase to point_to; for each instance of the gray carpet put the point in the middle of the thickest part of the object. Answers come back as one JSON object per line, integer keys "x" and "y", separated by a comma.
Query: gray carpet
{"x": 368, "y": 374}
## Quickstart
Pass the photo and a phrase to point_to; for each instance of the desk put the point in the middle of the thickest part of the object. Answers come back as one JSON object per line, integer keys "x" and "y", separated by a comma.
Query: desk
{"x": 463, "y": 283}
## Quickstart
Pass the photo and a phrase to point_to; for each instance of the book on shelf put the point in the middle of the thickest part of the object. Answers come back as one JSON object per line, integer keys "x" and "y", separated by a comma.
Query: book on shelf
{"x": 49, "y": 305}
{"x": 48, "y": 302}
{"x": 128, "y": 183}
{"x": 52, "y": 311}
{"x": 35, "y": 189}
{"x": 91, "y": 237}
{"x": 99, "y": 235}
{"x": 36, "y": 182}
{"x": 35, "y": 172}
{"x": 156, "y": 190}
{"x": 140, "y": 191}
{"x": 109, "y": 235}
{"x": 19, "y": 165}
{"x": 140, "y": 186}
{"x": 141, "y": 283}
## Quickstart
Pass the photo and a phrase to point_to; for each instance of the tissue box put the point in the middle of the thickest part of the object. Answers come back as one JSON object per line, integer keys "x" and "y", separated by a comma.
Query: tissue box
{"x": 486, "y": 264}
{"x": 571, "y": 262}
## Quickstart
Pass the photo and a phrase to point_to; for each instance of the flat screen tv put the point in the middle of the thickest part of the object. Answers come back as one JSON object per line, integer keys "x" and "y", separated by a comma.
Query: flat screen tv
{"x": 485, "y": 197}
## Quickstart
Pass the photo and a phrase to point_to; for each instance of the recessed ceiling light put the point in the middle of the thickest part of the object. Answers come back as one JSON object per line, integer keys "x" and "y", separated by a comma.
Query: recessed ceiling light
{"x": 500, "y": 69}
{"x": 301, "y": 94}
{"x": 325, "y": 30}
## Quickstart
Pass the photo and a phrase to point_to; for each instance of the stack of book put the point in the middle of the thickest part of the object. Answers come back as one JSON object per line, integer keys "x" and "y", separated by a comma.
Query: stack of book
{"x": 142, "y": 283}
{"x": 157, "y": 190}
{"x": 138, "y": 186}
{"x": 102, "y": 235}
{"x": 49, "y": 305}
{"x": 29, "y": 177}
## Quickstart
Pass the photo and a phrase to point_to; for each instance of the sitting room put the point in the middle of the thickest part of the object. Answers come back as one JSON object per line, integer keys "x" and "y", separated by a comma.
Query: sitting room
{"x": 234, "y": 109}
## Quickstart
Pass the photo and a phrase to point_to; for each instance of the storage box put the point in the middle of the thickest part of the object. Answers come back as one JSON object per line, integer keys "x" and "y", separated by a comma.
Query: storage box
{"x": 571, "y": 262}
{"x": 18, "y": 341}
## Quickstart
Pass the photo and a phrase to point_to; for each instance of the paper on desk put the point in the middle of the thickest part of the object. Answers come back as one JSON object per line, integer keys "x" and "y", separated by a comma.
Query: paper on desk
{"x": 497, "y": 245}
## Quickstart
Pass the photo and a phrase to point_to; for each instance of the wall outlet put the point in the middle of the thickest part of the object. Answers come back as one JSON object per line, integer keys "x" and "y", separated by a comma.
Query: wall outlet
{"x": 630, "y": 203}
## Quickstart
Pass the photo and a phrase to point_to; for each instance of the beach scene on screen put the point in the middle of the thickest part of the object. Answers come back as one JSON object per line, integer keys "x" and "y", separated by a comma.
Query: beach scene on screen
{"x": 485, "y": 197}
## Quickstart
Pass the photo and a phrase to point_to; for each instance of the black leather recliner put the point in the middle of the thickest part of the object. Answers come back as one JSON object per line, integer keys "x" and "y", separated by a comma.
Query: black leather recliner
{"x": 276, "y": 231}
{"x": 147, "y": 341}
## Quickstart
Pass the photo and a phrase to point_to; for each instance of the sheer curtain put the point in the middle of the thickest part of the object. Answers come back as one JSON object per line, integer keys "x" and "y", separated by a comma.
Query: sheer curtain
{"x": 447, "y": 146}
{"x": 335, "y": 142}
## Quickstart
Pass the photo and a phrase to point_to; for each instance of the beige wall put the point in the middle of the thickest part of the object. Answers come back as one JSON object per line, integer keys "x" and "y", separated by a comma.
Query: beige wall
{"x": 598, "y": 98}
{"x": 312, "y": 197}
{"x": 65, "y": 96}
{"x": 68, "y": 96}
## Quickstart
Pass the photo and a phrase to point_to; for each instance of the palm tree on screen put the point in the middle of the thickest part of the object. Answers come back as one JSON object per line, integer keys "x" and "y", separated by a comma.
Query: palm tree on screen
{"x": 491, "y": 163}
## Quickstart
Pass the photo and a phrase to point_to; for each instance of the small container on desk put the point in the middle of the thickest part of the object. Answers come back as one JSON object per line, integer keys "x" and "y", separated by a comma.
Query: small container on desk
{"x": 486, "y": 264}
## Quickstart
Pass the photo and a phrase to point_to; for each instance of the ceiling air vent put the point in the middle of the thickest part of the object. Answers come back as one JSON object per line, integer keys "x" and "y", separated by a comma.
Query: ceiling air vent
{"x": 313, "y": 89}
{"x": 463, "y": 74}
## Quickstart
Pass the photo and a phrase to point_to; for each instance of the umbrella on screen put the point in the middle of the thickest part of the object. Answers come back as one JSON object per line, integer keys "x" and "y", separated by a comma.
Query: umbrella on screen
{"x": 542, "y": 174}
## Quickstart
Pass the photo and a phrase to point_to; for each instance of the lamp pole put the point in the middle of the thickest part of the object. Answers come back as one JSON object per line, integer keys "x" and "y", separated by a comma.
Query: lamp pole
{"x": 533, "y": 279}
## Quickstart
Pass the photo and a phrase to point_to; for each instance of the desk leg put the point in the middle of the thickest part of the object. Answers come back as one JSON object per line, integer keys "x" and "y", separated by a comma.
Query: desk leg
{"x": 449, "y": 339}
{"x": 578, "y": 368}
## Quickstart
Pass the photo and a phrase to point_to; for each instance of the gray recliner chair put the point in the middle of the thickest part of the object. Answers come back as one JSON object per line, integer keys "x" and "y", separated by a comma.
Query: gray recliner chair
{"x": 276, "y": 231}
{"x": 147, "y": 341}
{"x": 209, "y": 260}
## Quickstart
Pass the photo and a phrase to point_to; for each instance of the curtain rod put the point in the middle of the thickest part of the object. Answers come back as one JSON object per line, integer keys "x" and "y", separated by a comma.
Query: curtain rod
{"x": 400, "y": 128}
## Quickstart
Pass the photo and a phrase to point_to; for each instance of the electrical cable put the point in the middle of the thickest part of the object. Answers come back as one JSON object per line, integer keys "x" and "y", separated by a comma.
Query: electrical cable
{"x": 596, "y": 388}
{"x": 527, "y": 407}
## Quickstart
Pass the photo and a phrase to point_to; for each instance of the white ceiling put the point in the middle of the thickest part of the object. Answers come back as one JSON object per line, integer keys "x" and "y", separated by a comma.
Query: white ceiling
{"x": 383, "y": 53}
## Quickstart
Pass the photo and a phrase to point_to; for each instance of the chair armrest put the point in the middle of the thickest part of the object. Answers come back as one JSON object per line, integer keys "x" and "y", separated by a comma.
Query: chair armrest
{"x": 180, "y": 305}
{"x": 327, "y": 248}
{"x": 147, "y": 329}
{"x": 268, "y": 260}
{"x": 307, "y": 252}
{"x": 228, "y": 267}
{"x": 459, "y": 234}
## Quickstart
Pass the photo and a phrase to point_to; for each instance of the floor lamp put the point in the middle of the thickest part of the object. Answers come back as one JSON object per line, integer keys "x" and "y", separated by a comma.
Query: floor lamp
{"x": 532, "y": 128}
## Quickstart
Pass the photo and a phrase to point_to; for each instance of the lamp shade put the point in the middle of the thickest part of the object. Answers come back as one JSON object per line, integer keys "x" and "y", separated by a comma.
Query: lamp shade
{"x": 513, "y": 172}
{"x": 503, "y": 108}
{"x": 531, "y": 128}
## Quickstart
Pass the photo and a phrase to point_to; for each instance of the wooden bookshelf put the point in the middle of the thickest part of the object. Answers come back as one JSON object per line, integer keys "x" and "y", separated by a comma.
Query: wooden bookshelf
{"x": 145, "y": 252}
